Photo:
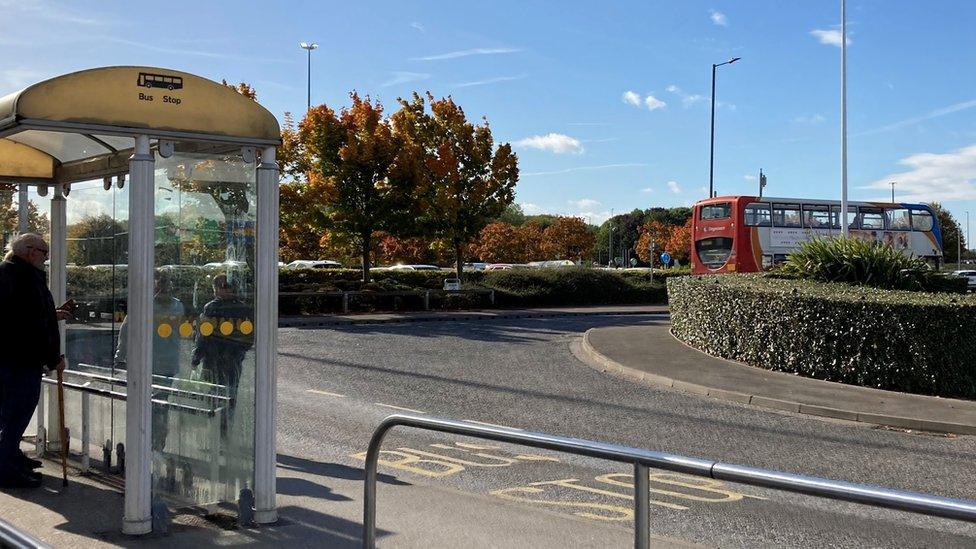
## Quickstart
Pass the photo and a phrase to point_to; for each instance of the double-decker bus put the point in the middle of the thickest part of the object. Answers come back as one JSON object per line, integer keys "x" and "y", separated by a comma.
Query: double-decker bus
{"x": 748, "y": 234}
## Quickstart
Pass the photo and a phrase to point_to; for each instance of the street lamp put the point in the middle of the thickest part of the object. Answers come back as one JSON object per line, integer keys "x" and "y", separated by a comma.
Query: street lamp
{"x": 610, "y": 259}
{"x": 711, "y": 154}
{"x": 893, "y": 191}
{"x": 845, "y": 229}
{"x": 309, "y": 47}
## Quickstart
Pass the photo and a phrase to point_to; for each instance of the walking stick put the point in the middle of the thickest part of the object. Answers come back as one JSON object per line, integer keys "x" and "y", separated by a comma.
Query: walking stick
{"x": 64, "y": 437}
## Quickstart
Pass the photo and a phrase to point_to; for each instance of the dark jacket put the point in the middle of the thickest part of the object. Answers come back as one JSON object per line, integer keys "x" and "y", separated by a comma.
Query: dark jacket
{"x": 29, "y": 336}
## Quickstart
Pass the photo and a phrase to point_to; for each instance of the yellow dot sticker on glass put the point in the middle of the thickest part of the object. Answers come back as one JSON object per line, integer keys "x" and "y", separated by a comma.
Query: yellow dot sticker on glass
{"x": 164, "y": 330}
{"x": 226, "y": 327}
{"x": 206, "y": 328}
{"x": 247, "y": 327}
{"x": 186, "y": 329}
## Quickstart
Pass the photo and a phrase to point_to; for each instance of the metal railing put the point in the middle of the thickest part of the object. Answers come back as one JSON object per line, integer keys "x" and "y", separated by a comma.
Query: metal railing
{"x": 642, "y": 460}
{"x": 11, "y": 536}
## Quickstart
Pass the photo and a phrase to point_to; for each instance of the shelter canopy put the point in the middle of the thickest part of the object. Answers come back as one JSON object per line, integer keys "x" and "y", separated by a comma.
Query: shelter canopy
{"x": 93, "y": 114}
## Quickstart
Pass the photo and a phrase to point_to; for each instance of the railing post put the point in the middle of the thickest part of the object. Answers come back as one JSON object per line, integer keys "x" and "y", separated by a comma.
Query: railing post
{"x": 345, "y": 303}
{"x": 427, "y": 300}
{"x": 85, "y": 432}
{"x": 642, "y": 508}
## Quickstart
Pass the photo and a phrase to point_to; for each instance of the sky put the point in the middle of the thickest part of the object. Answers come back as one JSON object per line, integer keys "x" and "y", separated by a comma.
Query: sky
{"x": 606, "y": 103}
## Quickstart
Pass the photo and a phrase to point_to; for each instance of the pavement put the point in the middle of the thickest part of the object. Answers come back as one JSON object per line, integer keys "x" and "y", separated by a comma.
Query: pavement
{"x": 321, "y": 321}
{"x": 650, "y": 354}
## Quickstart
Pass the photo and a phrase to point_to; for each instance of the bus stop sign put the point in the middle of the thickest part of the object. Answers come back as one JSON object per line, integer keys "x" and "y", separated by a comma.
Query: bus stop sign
{"x": 666, "y": 258}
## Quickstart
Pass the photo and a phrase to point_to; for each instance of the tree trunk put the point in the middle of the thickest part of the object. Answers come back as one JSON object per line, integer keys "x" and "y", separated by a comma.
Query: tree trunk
{"x": 366, "y": 246}
{"x": 457, "y": 257}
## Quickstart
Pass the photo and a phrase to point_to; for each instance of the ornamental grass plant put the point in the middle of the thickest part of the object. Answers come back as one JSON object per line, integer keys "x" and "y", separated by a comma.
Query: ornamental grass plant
{"x": 865, "y": 262}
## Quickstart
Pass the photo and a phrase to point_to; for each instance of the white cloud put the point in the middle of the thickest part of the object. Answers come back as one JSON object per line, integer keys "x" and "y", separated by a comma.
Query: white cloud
{"x": 419, "y": 26}
{"x": 749, "y": 177}
{"x": 813, "y": 120}
{"x": 632, "y": 98}
{"x": 654, "y": 103}
{"x": 553, "y": 142}
{"x": 831, "y": 37}
{"x": 585, "y": 168}
{"x": 403, "y": 77}
{"x": 466, "y": 53}
{"x": 530, "y": 208}
{"x": 647, "y": 190}
{"x": 584, "y": 203}
{"x": 675, "y": 188}
{"x": 964, "y": 105}
{"x": 719, "y": 18}
{"x": 687, "y": 99}
{"x": 488, "y": 81}
{"x": 933, "y": 177}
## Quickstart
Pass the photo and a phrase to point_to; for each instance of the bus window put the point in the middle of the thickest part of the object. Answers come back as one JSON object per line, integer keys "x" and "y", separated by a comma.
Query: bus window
{"x": 715, "y": 251}
{"x": 786, "y": 215}
{"x": 921, "y": 220}
{"x": 757, "y": 215}
{"x": 816, "y": 217}
{"x": 716, "y": 211}
{"x": 872, "y": 219}
{"x": 900, "y": 220}
{"x": 835, "y": 217}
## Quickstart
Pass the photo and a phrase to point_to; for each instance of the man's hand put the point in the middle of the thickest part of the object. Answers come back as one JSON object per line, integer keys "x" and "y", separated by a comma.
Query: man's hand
{"x": 63, "y": 314}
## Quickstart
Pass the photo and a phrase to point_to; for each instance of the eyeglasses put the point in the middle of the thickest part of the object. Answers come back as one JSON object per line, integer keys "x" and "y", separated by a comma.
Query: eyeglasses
{"x": 42, "y": 250}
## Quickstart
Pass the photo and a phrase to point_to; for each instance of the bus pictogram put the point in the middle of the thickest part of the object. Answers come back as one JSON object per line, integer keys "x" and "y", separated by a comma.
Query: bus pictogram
{"x": 149, "y": 80}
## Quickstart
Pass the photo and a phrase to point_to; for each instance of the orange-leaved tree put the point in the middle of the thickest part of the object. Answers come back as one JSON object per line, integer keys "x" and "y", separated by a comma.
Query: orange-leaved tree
{"x": 467, "y": 181}
{"x": 679, "y": 243}
{"x": 567, "y": 238}
{"x": 657, "y": 232}
{"x": 368, "y": 171}
{"x": 499, "y": 243}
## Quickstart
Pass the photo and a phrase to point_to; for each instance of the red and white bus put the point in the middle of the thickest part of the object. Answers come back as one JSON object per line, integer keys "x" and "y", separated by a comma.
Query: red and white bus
{"x": 748, "y": 234}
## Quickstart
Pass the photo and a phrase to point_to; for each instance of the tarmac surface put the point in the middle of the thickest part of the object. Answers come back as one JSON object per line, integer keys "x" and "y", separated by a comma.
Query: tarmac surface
{"x": 337, "y": 383}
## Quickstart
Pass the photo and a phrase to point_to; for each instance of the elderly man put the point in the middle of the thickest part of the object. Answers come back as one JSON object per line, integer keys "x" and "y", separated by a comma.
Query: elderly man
{"x": 31, "y": 343}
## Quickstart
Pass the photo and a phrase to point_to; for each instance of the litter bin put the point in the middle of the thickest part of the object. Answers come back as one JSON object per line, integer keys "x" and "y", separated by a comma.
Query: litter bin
{"x": 452, "y": 284}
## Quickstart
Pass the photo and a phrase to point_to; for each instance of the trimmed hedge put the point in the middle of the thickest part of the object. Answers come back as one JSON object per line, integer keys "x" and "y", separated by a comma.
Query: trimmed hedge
{"x": 513, "y": 288}
{"x": 896, "y": 340}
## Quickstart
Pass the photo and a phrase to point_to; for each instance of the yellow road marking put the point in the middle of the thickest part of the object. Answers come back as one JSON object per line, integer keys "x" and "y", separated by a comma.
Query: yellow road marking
{"x": 326, "y": 393}
{"x": 399, "y": 408}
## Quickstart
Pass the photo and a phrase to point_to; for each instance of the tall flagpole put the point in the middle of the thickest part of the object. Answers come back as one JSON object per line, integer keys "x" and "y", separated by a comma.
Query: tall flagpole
{"x": 843, "y": 117}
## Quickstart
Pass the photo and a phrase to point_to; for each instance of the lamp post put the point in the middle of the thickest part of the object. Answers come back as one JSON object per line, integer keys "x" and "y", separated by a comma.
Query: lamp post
{"x": 893, "y": 191}
{"x": 309, "y": 47}
{"x": 711, "y": 153}
{"x": 610, "y": 259}
{"x": 843, "y": 118}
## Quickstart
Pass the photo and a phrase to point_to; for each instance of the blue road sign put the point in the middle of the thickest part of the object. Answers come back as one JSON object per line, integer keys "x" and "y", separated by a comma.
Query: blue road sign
{"x": 666, "y": 258}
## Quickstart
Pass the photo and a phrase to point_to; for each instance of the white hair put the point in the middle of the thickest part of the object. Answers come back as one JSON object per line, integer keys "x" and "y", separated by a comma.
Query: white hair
{"x": 20, "y": 244}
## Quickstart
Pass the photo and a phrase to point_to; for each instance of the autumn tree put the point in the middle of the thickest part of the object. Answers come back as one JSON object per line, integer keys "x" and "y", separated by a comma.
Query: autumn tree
{"x": 500, "y": 243}
{"x": 530, "y": 237}
{"x": 367, "y": 171}
{"x": 467, "y": 182}
{"x": 657, "y": 232}
{"x": 679, "y": 243}
{"x": 37, "y": 222}
{"x": 567, "y": 238}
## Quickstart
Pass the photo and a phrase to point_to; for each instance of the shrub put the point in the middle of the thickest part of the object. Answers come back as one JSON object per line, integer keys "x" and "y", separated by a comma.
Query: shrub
{"x": 905, "y": 341}
{"x": 572, "y": 286}
{"x": 871, "y": 263}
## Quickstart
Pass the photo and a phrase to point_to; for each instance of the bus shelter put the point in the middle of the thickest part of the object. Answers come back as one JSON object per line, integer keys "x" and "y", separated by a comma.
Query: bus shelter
{"x": 158, "y": 191}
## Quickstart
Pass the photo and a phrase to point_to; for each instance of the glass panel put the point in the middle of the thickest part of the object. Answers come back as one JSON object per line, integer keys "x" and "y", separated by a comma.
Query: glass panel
{"x": 871, "y": 219}
{"x": 63, "y": 146}
{"x": 900, "y": 220}
{"x": 921, "y": 220}
{"x": 97, "y": 244}
{"x": 851, "y": 217}
{"x": 204, "y": 320}
{"x": 816, "y": 217}
{"x": 757, "y": 215}
{"x": 118, "y": 143}
{"x": 714, "y": 252}
{"x": 716, "y": 211}
{"x": 786, "y": 215}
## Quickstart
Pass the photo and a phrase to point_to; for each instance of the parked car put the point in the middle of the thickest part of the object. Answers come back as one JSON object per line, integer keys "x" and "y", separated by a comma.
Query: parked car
{"x": 971, "y": 275}
{"x": 503, "y": 266}
{"x": 314, "y": 264}
{"x": 414, "y": 268}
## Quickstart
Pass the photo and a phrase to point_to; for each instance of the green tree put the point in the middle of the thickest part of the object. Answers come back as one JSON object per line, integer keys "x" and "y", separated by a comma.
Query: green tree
{"x": 97, "y": 240}
{"x": 513, "y": 215}
{"x": 952, "y": 237}
{"x": 467, "y": 182}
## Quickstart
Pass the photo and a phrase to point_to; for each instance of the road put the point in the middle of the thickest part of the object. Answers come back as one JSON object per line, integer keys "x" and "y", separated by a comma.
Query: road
{"x": 336, "y": 384}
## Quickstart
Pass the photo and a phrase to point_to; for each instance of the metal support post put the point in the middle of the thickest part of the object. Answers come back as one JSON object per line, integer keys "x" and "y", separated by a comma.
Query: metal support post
{"x": 642, "y": 507}
{"x": 138, "y": 411}
{"x": 85, "y": 432}
{"x": 58, "y": 284}
{"x": 23, "y": 209}
{"x": 345, "y": 302}
{"x": 266, "y": 341}
{"x": 427, "y": 300}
